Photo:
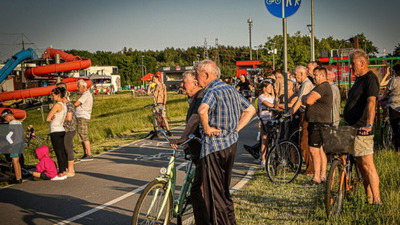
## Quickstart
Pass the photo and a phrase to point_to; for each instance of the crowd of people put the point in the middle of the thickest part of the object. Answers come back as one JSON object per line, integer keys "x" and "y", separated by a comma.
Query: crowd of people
{"x": 220, "y": 109}
{"x": 311, "y": 94}
{"x": 62, "y": 123}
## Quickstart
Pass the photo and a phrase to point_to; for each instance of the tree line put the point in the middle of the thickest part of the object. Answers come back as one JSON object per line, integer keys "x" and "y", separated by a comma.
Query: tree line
{"x": 130, "y": 67}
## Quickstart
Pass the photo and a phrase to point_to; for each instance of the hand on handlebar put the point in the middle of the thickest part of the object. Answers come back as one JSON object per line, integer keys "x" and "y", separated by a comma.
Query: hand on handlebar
{"x": 175, "y": 142}
{"x": 364, "y": 131}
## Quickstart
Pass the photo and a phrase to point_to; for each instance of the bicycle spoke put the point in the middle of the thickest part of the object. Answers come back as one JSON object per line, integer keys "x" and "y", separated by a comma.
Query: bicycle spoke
{"x": 153, "y": 206}
{"x": 283, "y": 162}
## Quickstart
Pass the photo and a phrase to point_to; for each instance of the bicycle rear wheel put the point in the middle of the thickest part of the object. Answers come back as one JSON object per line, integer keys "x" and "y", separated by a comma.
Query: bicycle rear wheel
{"x": 335, "y": 189}
{"x": 283, "y": 162}
{"x": 386, "y": 135}
{"x": 149, "y": 204}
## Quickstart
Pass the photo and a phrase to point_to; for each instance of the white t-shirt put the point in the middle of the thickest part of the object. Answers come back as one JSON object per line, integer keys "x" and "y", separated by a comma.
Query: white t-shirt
{"x": 85, "y": 109}
{"x": 265, "y": 114}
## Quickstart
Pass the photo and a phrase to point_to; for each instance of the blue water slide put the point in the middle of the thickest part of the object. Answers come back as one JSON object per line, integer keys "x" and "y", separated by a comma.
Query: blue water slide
{"x": 15, "y": 60}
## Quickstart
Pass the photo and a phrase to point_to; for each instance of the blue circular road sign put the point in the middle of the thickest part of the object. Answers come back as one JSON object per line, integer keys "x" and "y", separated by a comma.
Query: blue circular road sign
{"x": 275, "y": 7}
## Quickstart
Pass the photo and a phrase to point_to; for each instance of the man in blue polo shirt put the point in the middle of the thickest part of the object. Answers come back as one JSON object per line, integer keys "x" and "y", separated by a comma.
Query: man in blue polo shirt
{"x": 223, "y": 113}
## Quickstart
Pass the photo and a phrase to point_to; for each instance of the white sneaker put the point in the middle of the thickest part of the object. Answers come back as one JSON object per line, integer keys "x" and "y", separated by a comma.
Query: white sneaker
{"x": 263, "y": 164}
{"x": 59, "y": 178}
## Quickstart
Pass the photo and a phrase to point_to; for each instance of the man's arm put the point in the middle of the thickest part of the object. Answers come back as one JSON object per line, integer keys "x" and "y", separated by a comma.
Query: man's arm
{"x": 295, "y": 107}
{"x": 77, "y": 103}
{"x": 370, "y": 112}
{"x": 149, "y": 89}
{"x": 311, "y": 98}
{"x": 203, "y": 113}
{"x": 191, "y": 127}
{"x": 165, "y": 95}
{"x": 246, "y": 116}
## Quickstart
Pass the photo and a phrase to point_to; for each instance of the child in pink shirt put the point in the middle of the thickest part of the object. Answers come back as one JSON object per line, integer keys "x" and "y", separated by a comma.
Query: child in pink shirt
{"x": 46, "y": 168}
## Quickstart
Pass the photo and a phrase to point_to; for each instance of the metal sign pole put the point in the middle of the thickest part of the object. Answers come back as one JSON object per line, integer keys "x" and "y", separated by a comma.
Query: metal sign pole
{"x": 284, "y": 25}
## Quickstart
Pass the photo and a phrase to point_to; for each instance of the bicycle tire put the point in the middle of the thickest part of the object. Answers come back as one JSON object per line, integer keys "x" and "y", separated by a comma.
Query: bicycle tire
{"x": 295, "y": 137}
{"x": 334, "y": 195}
{"x": 140, "y": 214}
{"x": 355, "y": 181}
{"x": 386, "y": 135}
{"x": 283, "y": 162}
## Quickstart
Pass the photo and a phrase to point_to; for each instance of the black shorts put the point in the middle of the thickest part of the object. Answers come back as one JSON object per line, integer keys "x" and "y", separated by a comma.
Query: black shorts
{"x": 315, "y": 138}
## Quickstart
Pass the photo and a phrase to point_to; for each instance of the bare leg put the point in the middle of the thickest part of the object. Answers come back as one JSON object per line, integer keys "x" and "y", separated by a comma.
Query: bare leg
{"x": 17, "y": 168}
{"x": 36, "y": 174}
{"x": 86, "y": 146}
{"x": 71, "y": 166}
{"x": 166, "y": 122}
{"x": 371, "y": 179}
{"x": 316, "y": 160}
{"x": 264, "y": 142}
{"x": 324, "y": 162}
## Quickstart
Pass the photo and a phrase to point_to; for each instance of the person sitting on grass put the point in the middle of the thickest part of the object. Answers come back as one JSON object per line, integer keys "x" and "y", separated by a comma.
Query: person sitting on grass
{"x": 46, "y": 168}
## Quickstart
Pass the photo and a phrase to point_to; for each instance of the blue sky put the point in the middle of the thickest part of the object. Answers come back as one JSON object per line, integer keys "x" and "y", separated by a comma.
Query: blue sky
{"x": 157, "y": 24}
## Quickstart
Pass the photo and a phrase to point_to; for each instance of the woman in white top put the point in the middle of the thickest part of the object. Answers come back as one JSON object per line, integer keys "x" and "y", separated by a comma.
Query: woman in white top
{"x": 266, "y": 100}
{"x": 56, "y": 118}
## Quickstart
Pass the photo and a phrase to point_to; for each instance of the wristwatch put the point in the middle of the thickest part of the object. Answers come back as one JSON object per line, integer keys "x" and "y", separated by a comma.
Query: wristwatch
{"x": 368, "y": 125}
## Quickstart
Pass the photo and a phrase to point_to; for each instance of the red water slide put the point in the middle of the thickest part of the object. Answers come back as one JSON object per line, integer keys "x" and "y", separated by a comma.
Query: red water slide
{"x": 71, "y": 63}
{"x": 39, "y": 91}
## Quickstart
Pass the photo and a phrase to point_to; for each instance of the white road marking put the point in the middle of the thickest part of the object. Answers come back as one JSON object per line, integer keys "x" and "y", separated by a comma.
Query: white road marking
{"x": 238, "y": 186}
{"x": 110, "y": 203}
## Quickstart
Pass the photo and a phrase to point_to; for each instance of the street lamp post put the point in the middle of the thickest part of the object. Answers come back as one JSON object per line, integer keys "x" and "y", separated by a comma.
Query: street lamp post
{"x": 312, "y": 32}
{"x": 250, "y": 21}
{"x": 143, "y": 67}
{"x": 273, "y": 51}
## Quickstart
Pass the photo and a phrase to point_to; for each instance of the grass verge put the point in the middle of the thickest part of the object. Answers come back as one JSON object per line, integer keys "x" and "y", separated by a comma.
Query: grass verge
{"x": 262, "y": 202}
{"x": 116, "y": 120}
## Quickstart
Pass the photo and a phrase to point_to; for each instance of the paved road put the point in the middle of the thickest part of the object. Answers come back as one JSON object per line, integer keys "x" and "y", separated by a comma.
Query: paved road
{"x": 105, "y": 190}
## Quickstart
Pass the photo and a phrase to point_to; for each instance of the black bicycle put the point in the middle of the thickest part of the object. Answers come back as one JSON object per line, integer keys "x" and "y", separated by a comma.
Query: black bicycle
{"x": 283, "y": 162}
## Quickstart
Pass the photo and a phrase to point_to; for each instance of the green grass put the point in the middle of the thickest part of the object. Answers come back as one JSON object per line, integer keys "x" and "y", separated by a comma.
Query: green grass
{"x": 262, "y": 202}
{"x": 116, "y": 120}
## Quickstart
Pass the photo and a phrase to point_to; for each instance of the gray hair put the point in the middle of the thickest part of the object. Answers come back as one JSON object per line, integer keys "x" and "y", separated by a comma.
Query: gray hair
{"x": 190, "y": 73}
{"x": 359, "y": 53}
{"x": 303, "y": 68}
{"x": 82, "y": 83}
{"x": 209, "y": 66}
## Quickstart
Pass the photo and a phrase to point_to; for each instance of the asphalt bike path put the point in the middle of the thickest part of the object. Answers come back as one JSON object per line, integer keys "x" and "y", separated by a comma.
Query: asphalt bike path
{"x": 105, "y": 190}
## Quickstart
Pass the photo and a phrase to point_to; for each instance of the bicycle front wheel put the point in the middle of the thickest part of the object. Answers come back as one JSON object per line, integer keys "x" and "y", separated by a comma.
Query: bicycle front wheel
{"x": 149, "y": 207}
{"x": 283, "y": 162}
{"x": 335, "y": 189}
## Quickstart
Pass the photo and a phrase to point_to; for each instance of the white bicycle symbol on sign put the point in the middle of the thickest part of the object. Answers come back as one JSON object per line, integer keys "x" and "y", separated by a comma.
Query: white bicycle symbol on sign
{"x": 269, "y": 2}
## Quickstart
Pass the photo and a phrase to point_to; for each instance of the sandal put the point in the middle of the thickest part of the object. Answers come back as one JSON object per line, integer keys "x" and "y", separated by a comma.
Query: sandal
{"x": 312, "y": 183}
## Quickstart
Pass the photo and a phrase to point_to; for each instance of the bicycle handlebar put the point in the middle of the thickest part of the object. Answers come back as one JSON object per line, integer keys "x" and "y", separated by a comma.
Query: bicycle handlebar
{"x": 190, "y": 138}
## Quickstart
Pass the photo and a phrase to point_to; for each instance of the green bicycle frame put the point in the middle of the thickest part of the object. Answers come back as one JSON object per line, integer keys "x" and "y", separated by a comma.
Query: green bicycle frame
{"x": 186, "y": 186}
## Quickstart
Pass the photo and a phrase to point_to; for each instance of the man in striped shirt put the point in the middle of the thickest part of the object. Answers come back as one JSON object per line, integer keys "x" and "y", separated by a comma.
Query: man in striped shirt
{"x": 223, "y": 113}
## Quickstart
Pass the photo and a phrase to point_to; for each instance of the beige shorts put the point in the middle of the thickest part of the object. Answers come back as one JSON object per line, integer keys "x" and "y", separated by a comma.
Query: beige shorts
{"x": 83, "y": 129}
{"x": 161, "y": 109}
{"x": 363, "y": 145}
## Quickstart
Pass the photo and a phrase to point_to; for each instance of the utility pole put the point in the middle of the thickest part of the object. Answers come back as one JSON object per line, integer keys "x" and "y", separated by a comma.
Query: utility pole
{"x": 217, "y": 52}
{"x": 250, "y": 21}
{"x": 205, "y": 53}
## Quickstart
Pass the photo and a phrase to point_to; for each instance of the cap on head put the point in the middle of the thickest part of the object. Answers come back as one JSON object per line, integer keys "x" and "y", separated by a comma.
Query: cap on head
{"x": 6, "y": 112}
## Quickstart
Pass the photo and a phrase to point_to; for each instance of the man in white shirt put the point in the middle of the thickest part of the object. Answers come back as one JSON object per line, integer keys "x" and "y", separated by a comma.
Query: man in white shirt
{"x": 84, "y": 107}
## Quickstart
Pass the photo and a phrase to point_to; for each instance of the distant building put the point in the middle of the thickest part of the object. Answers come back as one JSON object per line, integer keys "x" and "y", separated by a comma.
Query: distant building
{"x": 172, "y": 76}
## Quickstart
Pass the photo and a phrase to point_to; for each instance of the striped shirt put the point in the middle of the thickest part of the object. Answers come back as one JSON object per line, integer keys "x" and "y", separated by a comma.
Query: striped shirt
{"x": 226, "y": 106}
